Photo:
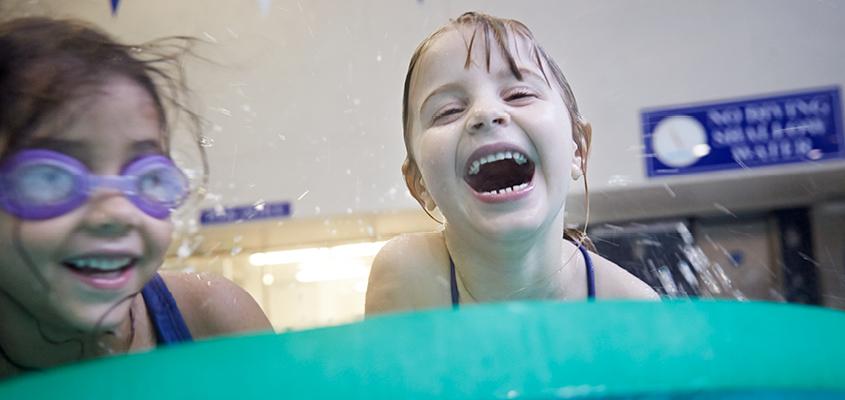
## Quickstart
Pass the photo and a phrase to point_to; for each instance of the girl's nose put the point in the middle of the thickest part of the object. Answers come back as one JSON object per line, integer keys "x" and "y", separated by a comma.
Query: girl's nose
{"x": 487, "y": 118}
{"x": 111, "y": 214}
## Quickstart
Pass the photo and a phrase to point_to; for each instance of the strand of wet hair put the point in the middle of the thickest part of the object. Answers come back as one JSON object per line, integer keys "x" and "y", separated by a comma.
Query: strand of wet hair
{"x": 103, "y": 317}
{"x": 27, "y": 259}
{"x": 15, "y": 364}
{"x": 18, "y": 243}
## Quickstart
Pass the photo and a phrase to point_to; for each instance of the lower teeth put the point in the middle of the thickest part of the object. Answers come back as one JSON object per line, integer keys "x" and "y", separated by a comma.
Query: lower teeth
{"x": 514, "y": 188}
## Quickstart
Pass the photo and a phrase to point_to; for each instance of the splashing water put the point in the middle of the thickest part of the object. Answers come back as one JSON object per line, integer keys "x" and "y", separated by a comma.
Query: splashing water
{"x": 665, "y": 256}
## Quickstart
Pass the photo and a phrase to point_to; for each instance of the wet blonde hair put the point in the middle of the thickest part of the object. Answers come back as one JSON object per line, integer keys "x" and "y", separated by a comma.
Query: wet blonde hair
{"x": 492, "y": 32}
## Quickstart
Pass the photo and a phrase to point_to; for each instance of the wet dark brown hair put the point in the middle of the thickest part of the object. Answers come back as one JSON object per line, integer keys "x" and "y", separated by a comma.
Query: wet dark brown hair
{"x": 495, "y": 34}
{"x": 46, "y": 63}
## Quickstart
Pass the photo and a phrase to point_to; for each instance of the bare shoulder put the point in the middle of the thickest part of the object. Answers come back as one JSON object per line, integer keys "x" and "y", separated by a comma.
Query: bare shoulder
{"x": 614, "y": 282}
{"x": 407, "y": 274}
{"x": 212, "y": 305}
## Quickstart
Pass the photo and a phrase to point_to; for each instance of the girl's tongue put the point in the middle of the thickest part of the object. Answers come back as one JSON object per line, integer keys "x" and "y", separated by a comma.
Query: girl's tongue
{"x": 500, "y": 176}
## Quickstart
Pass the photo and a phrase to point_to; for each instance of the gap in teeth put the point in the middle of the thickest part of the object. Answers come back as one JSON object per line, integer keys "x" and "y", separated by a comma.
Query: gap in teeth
{"x": 519, "y": 158}
{"x": 514, "y": 188}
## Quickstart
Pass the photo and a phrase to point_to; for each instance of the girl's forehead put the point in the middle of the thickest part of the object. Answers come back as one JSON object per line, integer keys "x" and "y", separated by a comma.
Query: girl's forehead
{"x": 118, "y": 106}
{"x": 459, "y": 49}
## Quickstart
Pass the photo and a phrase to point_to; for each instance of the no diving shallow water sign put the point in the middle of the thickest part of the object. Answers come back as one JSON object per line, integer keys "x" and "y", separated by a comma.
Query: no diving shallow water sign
{"x": 245, "y": 213}
{"x": 749, "y": 133}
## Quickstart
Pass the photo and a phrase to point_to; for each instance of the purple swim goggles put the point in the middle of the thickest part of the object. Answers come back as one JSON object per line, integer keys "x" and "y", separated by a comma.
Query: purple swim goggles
{"x": 41, "y": 184}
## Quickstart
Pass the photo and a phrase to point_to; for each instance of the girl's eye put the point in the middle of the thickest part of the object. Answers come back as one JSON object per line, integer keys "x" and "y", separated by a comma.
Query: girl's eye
{"x": 162, "y": 185}
{"x": 442, "y": 116}
{"x": 519, "y": 94}
{"x": 45, "y": 183}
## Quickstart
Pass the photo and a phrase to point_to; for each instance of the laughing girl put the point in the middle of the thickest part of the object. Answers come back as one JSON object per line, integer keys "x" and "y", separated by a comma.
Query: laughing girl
{"x": 493, "y": 138}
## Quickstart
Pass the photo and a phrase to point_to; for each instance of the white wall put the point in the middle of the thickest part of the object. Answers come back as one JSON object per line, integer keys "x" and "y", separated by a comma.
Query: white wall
{"x": 307, "y": 97}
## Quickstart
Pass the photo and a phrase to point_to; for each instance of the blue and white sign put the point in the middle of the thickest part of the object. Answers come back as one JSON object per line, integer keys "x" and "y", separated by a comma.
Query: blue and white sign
{"x": 251, "y": 212}
{"x": 750, "y": 133}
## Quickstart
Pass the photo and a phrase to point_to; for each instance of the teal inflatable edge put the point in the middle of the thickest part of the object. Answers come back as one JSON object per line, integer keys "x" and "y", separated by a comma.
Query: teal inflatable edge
{"x": 508, "y": 350}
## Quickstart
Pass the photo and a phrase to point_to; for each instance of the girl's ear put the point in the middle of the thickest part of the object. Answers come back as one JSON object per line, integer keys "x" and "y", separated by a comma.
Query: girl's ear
{"x": 416, "y": 185}
{"x": 582, "y": 136}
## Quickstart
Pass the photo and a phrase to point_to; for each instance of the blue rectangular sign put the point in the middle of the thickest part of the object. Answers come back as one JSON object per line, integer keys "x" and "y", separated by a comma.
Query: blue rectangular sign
{"x": 749, "y": 133}
{"x": 251, "y": 212}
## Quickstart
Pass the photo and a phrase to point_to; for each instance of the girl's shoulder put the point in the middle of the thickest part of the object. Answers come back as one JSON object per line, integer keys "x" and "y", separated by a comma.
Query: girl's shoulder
{"x": 614, "y": 282}
{"x": 212, "y": 305}
{"x": 410, "y": 272}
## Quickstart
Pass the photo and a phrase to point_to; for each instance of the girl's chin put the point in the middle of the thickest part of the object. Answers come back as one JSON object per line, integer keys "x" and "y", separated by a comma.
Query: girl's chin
{"x": 509, "y": 228}
{"x": 93, "y": 319}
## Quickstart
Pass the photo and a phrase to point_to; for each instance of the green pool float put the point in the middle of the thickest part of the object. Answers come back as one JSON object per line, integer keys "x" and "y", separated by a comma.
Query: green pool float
{"x": 537, "y": 350}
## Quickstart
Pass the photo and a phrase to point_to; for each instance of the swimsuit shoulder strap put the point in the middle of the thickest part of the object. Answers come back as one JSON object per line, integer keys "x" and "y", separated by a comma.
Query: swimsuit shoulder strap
{"x": 453, "y": 284}
{"x": 591, "y": 278}
{"x": 169, "y": 325}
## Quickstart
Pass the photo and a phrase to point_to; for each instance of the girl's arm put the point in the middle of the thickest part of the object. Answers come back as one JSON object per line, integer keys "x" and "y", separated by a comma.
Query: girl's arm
{"x": 384, "y": 289}
{"x": 614, "y": 282}
{"x": 405, "y": 275}
{"x": 213, "y": 306}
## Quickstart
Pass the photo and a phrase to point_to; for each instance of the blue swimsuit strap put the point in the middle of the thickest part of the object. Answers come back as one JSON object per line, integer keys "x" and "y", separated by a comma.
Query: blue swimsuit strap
{"x": 588, "y": 261}
{"x": 169, "y": 325}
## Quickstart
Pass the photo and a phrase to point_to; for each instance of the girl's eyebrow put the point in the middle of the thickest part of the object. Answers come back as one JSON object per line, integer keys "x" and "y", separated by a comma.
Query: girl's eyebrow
{"x": 147, "y": 146}
{"x": 70, "y": 147}
{"x": 445, "y": 88}
{"x": 507, "y": 73}
{"x": 79, "y": 149}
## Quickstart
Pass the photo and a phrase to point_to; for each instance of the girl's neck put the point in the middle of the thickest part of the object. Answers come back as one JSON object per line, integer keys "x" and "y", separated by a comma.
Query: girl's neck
{"x": 27, "y": 344}
{"x": 529, "y": 267}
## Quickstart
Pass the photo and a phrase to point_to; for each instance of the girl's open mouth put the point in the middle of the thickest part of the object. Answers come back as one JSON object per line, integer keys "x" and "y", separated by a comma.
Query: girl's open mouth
{"x": 102, "y": 272}
{"x": 501, "y": 175}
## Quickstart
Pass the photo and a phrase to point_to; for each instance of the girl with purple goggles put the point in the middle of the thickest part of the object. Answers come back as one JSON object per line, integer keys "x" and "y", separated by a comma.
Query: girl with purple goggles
{"x": 41, "y": 184}
{"x": 86, "y": 284}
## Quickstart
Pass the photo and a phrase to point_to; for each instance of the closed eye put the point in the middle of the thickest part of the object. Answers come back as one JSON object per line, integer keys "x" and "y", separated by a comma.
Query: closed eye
{"x": 447, "y": 115}
{"x": 519, "y": 95}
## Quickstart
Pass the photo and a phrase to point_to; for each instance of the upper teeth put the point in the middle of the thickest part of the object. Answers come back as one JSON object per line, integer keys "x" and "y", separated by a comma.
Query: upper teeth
{"x": 105, "y": 264}
{"x": 519, "y": 158}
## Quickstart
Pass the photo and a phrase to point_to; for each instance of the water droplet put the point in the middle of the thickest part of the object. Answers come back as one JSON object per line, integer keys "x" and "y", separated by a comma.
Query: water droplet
{"x": 184, "y": 250}
{"x": 305, "y": 193}
{"x": 378, "y": 57}
{"x": 209, "y": 37}
{"x": 724, "y": 209}
{"x": 619, "y": 180}
{"x": 236, "y": 250}
{"x": 224, "y": 111}
{"x": 348, "y": 172}
{"x": 259, "y": 205}
{"x": 356, "y": 101}
{"x": 316, "y": 209}
{"x": 206, "y": 141}
{"x": 282, "y": 137}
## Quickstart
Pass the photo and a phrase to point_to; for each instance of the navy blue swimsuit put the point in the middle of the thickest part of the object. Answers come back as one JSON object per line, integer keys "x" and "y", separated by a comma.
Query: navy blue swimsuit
{"x": 591, "y": 280}
{"x": 169, "y": 325}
